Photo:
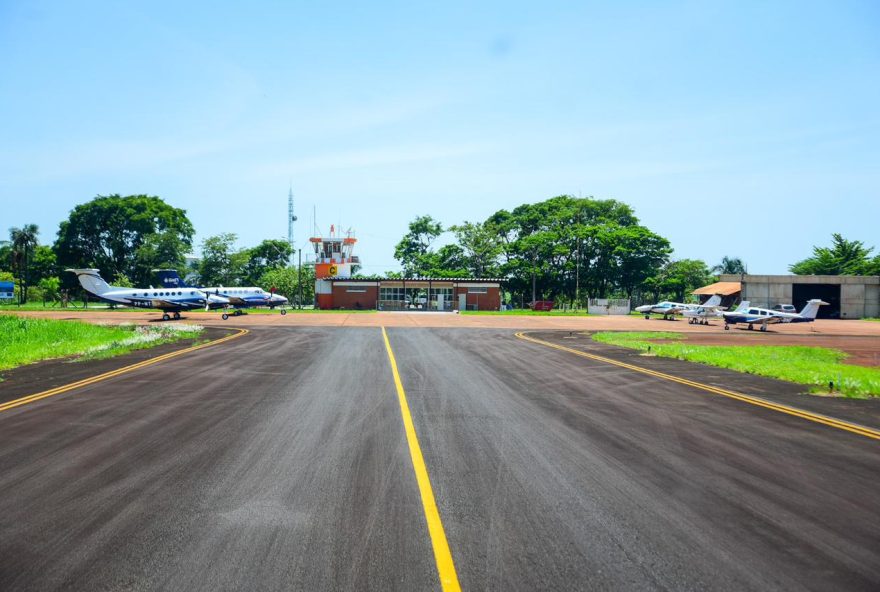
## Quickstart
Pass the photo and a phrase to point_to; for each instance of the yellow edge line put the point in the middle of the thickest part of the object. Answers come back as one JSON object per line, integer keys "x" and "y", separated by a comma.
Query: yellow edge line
{"x": 802, "y": 413}
{"x": 87, "y": 381}
{"x": 442, "y": 554}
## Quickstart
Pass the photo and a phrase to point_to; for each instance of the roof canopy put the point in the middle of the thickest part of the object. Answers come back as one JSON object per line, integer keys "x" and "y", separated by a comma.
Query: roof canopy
{"x": 721, "y": 288}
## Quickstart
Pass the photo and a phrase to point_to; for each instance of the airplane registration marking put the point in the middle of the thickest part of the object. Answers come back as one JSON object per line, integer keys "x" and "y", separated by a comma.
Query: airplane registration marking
{"x": 787, "y": 409}
{"x": 119, "y": 371}
{"x": 442, "y": 554}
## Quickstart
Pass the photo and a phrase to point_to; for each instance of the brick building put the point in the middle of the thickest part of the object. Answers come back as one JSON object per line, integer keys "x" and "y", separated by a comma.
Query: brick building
{"x": 428, "y": 294}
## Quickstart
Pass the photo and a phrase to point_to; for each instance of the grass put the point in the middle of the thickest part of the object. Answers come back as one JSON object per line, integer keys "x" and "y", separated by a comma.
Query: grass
{"x": 525, "y": 312}
{"x": 812, "y": 366}
{"x": 24, "y": 340}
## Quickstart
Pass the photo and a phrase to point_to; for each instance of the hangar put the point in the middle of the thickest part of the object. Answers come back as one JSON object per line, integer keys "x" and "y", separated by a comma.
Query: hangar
{"x": 428, "y": 294}
{"x": 848, "y": 296}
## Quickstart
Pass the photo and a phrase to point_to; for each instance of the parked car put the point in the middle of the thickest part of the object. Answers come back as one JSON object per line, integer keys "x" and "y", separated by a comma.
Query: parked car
{"x": 785, "y": 308}
{"x": 543, "y": 305}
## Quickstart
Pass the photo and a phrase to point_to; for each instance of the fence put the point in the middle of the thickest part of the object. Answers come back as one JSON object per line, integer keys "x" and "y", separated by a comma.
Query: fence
{"x": 608, "y": 306}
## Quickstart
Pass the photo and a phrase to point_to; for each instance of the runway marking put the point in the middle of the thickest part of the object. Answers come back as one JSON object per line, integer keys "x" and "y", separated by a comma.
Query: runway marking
{"x": 787, "y": 409}
{"x": 442, "y": 554}
{"x": 92, "y": 380}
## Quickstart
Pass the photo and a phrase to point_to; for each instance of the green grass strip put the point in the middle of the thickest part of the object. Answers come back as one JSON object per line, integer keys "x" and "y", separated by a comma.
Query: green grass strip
{"x": 26, "y": 340}
{"x": 812, "y": 366}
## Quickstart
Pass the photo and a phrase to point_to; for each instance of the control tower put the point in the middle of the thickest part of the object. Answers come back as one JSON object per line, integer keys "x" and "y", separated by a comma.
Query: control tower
{"x": 333, "y": 255}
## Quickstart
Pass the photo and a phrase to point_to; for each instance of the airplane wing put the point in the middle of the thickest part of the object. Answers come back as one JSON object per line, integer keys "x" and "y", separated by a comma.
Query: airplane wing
{"x": 171, "y": 305}
{"x": 236, "y": 301}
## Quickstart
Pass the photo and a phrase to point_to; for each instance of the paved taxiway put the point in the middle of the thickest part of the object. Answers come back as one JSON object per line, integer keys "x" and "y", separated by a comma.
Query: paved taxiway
{"x": 279, "y": 461}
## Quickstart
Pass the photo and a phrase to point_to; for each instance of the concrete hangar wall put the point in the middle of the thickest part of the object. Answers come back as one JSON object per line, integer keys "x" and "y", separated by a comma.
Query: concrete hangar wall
{"x": 849, "y": 296}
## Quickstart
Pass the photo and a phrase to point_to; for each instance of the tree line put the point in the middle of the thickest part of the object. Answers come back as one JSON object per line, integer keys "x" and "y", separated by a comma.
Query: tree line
{"x": 568, "y": 249}
{"x": 564, "y": 248}
{"x": 128, "y": 237}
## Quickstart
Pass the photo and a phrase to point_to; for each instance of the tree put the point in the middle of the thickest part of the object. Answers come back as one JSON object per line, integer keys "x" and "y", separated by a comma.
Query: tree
{"x": 448, "y": 261}
{"x": 269, "y": 254}
{"x": 637, "y": 253}
{"x": 285, "y": 281}
{"x": 567, "y": 246}
{"x": 50, "y": 288}
{"x": 413, "y": 250}
{"x": 481, "y": 247}
{"x": 681, "y": 277}
{"x": 23, "y": 240}
{"x": 109, "y": 232}
{"x": 729, "y": 265}
{"x": 221, "y": 265}
{"x": 844, "y": 257}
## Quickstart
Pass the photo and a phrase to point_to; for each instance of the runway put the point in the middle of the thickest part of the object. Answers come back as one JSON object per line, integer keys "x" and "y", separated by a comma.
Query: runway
{"x": 279, "y": 461}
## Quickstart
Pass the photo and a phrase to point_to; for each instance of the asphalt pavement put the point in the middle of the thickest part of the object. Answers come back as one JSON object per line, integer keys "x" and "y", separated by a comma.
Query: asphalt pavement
{"x": 278, "y": 461}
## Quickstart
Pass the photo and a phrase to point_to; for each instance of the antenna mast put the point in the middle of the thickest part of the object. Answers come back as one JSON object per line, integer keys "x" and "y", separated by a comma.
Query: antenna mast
{"x": 291, "y": 218}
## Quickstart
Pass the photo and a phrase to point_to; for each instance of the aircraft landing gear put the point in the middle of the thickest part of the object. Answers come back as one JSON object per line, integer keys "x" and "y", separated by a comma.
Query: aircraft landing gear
{"x": 283, "y": 312}
{"x": 166, "y": 316}
{"x": 750, "y": 327}
{"x": 176, "y": 316}
{"x": 647, "y": 317}
{"x": 726, "y": 327}
{"x": 225, "y": 316}
{"x": 763, "y": 328}
{"x": 238, "y": 313}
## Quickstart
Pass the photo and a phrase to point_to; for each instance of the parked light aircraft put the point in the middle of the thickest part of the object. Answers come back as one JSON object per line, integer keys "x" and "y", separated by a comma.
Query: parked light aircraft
{"x": 167, "y": 300}
{"x": 765, "y": 316}
{"x": 670, "y": 309}
{"x": 704, "y": 312}
{"x": 239, "y": 298}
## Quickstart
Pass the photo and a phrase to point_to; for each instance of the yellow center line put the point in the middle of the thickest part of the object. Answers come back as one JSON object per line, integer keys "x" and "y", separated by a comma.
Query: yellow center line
{"x": 787, "y": 409}
{"x": 87, "y": 381}
{"x": 442, "y": 554}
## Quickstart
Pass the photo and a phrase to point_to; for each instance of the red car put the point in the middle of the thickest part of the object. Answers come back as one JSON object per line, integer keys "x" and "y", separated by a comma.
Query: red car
{"x": 544, "y": 305}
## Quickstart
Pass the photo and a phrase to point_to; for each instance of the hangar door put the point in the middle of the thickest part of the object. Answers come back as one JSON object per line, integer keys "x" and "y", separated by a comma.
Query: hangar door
{"x": 830, "y": 293}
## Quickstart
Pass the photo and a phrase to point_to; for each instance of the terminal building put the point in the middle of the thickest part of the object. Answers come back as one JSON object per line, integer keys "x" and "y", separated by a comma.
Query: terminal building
{"x": 336, "y": 286}
{"x": 848, "y": 296}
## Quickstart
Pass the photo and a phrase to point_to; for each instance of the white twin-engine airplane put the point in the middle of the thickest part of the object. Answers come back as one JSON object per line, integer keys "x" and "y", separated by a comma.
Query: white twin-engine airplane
{"x": 765, "y": 316}
{"x": 670, "y": 309}
{"x": 239, "y": 298}
{"x": 165, "y": 299}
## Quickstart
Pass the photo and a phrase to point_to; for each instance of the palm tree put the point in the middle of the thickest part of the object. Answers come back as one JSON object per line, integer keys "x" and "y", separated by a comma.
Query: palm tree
{"x": 730, "y": 265}
{"x": 23, "y": 240}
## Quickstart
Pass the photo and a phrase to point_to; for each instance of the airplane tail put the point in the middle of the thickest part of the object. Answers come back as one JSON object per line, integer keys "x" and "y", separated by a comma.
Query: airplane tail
{"x": 715, "y": 300}
{"x": 811, "y": 309}
{"x": 169, "y": 278}
{"x": 91, "y": 281}
{"x": 743, "y": 306}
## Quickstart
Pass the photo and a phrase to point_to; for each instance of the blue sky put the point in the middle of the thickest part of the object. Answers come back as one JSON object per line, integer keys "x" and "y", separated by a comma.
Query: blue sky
{"x": 748, "y": 129}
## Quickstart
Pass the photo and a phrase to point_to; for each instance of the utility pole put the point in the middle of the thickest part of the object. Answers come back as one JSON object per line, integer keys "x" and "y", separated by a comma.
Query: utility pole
{"x": 533, "y": 279}
{"x": 299, "y": 277}
{"x": 577, "y": 276}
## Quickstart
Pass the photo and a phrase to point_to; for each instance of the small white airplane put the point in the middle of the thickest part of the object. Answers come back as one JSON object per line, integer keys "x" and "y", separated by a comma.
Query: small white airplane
{"x": 702, "y": 314}
{"x": 670, "y": 309}
{"x": 765, "y": 316}
{"x": 239, "y": 298}
{"x": 166, "y": 300}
